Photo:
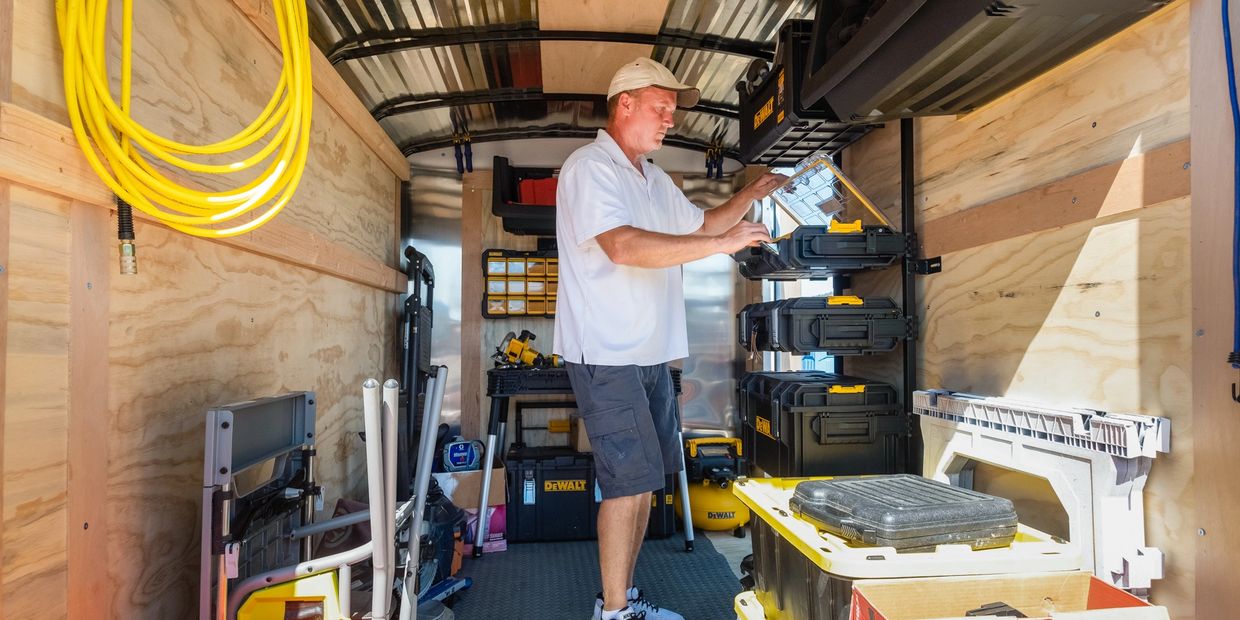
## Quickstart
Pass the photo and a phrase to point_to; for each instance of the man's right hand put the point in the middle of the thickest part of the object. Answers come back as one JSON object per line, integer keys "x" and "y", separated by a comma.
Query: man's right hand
{"x": 743, "y": 235}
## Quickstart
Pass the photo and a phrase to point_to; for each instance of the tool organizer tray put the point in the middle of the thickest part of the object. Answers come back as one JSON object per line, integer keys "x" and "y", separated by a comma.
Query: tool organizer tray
{"x": 820, "y": 252}
{"x": 839, "y": 325}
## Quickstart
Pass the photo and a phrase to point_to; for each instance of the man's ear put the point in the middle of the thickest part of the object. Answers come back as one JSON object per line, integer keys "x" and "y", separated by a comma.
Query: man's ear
{"x": 626, "y": 103}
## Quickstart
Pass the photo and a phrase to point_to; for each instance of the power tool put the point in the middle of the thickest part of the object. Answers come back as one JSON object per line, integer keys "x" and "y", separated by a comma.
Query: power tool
{"x": 516, "y": 352}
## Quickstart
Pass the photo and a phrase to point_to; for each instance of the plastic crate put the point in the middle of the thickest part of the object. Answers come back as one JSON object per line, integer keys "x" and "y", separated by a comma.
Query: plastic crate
{"x": 816, "y": 423}
{"x": 839, "y": 325}
{"x": 817, "y": 253}
{"x": 801, "y": 573}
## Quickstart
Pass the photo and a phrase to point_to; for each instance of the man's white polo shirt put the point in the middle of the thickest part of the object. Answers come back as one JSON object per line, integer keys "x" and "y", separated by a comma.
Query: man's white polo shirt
{"x": 611, "y": 314}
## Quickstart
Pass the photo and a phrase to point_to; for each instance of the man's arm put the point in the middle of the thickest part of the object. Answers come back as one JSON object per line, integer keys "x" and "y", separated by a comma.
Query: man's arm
{"x": 634, "y": 247}
{"x": 725, "y": 216}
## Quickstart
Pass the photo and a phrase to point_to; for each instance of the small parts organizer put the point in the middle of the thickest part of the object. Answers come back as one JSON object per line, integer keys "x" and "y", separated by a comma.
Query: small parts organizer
{"x": 520, "y": 283}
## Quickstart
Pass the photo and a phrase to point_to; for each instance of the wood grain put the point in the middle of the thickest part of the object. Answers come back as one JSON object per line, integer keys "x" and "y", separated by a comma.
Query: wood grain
{"x": 5, "y": 211}
{"x": 1125, "y": 96}
{"x": 6, "y": 55}
{"x": 585, "y": 66}
{"x": 475, "y": 207}
{"x": 202, "y": 325}
{"x": 201, "y": 74}
{"x": 1095, "y": 314}
{"x": 90, "y": 267}
{"x": 332, "y": 89}
{"x": 42, "y": 153}
{"x": 1142, "y": 180}
{"x": 36, "y": 406}
{"x": 602, "y": 16}
{"x": 1214, "y": 412}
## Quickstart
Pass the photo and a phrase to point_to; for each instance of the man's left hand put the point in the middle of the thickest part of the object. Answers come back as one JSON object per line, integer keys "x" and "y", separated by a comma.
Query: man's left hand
{"x": 765, "y": 184}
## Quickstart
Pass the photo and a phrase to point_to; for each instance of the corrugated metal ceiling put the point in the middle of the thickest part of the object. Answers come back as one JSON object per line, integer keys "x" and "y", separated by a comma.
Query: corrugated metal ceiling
{"x": 393, "y": 82}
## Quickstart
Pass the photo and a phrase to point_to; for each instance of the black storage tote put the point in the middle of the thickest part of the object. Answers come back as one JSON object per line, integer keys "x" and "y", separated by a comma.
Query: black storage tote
{"x": 813, "y": 423}
{"x": 550, "y": 495}
{"x": 817, "y": 253}
{"x": 906, "y": 512}
{"x": 838, "y": 324}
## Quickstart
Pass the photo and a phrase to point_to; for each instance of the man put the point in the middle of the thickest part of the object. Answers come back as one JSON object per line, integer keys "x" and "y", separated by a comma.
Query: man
{"x": 623, "y": 230}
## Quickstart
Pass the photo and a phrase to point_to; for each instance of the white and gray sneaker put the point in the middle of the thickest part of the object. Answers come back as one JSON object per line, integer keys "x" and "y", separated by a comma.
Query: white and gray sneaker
{"x": 640, "y": 604}
{"x": 628, "y": 613}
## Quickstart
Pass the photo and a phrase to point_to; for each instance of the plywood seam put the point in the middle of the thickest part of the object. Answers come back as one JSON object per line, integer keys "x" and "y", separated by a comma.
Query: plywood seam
{"x": 43, "y": 154}
{"x": 5, "y": 209}
{"x": 332, "y": 88}
{"x": 1157, "y": 176}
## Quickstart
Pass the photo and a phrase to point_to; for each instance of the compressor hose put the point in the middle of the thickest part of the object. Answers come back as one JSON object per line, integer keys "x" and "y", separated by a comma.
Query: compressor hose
{"x": 125, "y": 154}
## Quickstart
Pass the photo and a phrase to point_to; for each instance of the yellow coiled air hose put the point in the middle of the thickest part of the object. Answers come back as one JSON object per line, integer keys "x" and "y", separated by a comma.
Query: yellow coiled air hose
{"x": 129, "y": 148}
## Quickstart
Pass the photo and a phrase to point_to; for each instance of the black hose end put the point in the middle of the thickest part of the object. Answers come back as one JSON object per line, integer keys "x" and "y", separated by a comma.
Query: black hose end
{"x": 1233, "y": 358}
{"x": 124, "y": 220}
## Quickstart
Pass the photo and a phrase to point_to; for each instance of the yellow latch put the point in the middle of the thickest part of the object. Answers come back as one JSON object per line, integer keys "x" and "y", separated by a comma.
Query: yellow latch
{"x": 844, "y": 300}
{"x": 847, "y": 389}
{"x": 693, "y": 444}
{"x": 559, "y": 426}
{"x": 837, "y": 226}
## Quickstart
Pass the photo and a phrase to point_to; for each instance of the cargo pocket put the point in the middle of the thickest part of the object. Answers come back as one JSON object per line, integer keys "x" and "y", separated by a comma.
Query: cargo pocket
{"x": 617, "y": 446}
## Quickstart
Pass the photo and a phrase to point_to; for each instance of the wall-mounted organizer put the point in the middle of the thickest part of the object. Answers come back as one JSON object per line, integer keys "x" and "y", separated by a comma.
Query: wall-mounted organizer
{"x": 524, "y": 198}
{"x": 520, "y": 283}
{"x": 815, "y": 423}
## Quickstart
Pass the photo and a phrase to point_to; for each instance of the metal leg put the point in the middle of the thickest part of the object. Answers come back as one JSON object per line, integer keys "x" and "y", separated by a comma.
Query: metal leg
{"x": 499, "y": 409}
{"x": 422, "y": 482}
{"x": 683, "y": 483}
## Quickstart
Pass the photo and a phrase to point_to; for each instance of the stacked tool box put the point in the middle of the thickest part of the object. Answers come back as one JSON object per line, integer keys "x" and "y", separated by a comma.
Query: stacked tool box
{"x": 817, "y": 423}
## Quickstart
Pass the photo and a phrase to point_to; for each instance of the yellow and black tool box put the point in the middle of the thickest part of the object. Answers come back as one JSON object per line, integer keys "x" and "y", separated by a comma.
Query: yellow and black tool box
{"x": 813, "y": 423}
{"x": 820, "y": 252}
{"x": 838, "y": 324}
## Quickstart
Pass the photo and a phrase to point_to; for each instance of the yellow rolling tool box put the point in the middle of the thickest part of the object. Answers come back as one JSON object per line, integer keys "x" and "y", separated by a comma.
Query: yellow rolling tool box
{"x": 802, "y": 573}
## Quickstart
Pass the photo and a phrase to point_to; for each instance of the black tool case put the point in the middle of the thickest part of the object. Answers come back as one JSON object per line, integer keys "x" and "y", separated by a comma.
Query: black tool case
{"x": 816, "y": 253}
{"x": 813, "y": 423}
{"x": 550, "y": 495}
{"x": 906, "y": 512}
{"x": 839, "y": 325}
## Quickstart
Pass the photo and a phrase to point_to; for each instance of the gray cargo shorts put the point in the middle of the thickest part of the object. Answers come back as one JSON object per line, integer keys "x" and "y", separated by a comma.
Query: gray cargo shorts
{"x": 632, "y": 419}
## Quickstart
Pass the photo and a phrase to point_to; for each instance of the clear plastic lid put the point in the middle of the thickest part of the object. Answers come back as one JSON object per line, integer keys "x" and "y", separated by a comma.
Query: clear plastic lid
{"x": 817, "y": 193}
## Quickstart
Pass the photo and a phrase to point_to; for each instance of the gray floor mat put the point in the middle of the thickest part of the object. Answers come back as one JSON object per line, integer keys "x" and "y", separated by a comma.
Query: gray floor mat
{"x": 558, "y": 581}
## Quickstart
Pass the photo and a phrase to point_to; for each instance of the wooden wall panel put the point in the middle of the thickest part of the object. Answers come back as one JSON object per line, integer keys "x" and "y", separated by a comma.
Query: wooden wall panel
{"x": 36, "y": 407}
{"x": 202, "y": 71}
{"x": 1213, "y": 318}
{"x": 1126, "y": 95}
{"x": 190, "y": 334}
{"x": 1084, "y": 303}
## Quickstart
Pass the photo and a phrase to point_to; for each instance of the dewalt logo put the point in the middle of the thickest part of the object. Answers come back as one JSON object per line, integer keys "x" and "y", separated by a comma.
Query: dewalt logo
{"x": 763, "y": 426}
{"x": 721, "y": 515}
{"x": 764, "y": 112}
{"x": 552, "y": 486}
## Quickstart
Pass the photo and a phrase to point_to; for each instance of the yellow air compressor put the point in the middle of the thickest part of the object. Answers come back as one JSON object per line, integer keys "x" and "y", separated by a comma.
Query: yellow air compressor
{"x": 712, "y": 464}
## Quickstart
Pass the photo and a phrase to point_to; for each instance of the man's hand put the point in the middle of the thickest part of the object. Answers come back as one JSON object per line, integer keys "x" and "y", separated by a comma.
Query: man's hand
{"x": 742, "y": 235}
{"x": 765, "y": 184}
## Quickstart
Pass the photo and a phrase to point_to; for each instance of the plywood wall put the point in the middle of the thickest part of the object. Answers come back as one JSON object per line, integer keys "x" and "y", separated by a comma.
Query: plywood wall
{"x": 1065, "y": 207}
{"x": 106, "y": 378}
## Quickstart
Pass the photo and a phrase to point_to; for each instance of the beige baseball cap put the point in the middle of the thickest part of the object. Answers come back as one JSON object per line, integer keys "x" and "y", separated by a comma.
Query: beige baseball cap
{"x": 643, "y": 72}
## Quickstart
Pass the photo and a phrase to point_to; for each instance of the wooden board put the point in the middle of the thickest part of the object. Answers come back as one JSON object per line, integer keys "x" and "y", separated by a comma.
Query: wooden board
{"x": 189, "y": 334}
{"x": 36, "y": 407}
{"x": 5, "y": 212}
{"x": 1214, "y": 412}
{"x": 41, "y": 153}
{"x": 1096, "y": 315}
{"x": 201, "y": 74}
{"x": 602, "y": 16}
{"x": 91, "y": 265}
{"x": 585, "y": 67}
{"x": 1125, "y": 96}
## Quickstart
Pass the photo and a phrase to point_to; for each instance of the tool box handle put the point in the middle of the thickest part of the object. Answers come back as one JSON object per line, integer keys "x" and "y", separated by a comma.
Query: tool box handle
{"x": 865, "y": 341}
{"x": 829, "y": 430}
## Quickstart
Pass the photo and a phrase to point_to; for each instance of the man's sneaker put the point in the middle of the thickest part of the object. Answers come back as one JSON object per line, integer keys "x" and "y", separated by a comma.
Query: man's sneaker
{"x": 648, "y": 610}
{"x": 628, "y": 613}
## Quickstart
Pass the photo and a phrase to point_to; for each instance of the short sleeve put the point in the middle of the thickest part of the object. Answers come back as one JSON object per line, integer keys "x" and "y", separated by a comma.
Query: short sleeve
{"x": 588, "y": 195}
{"x": 686, "y": 218}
